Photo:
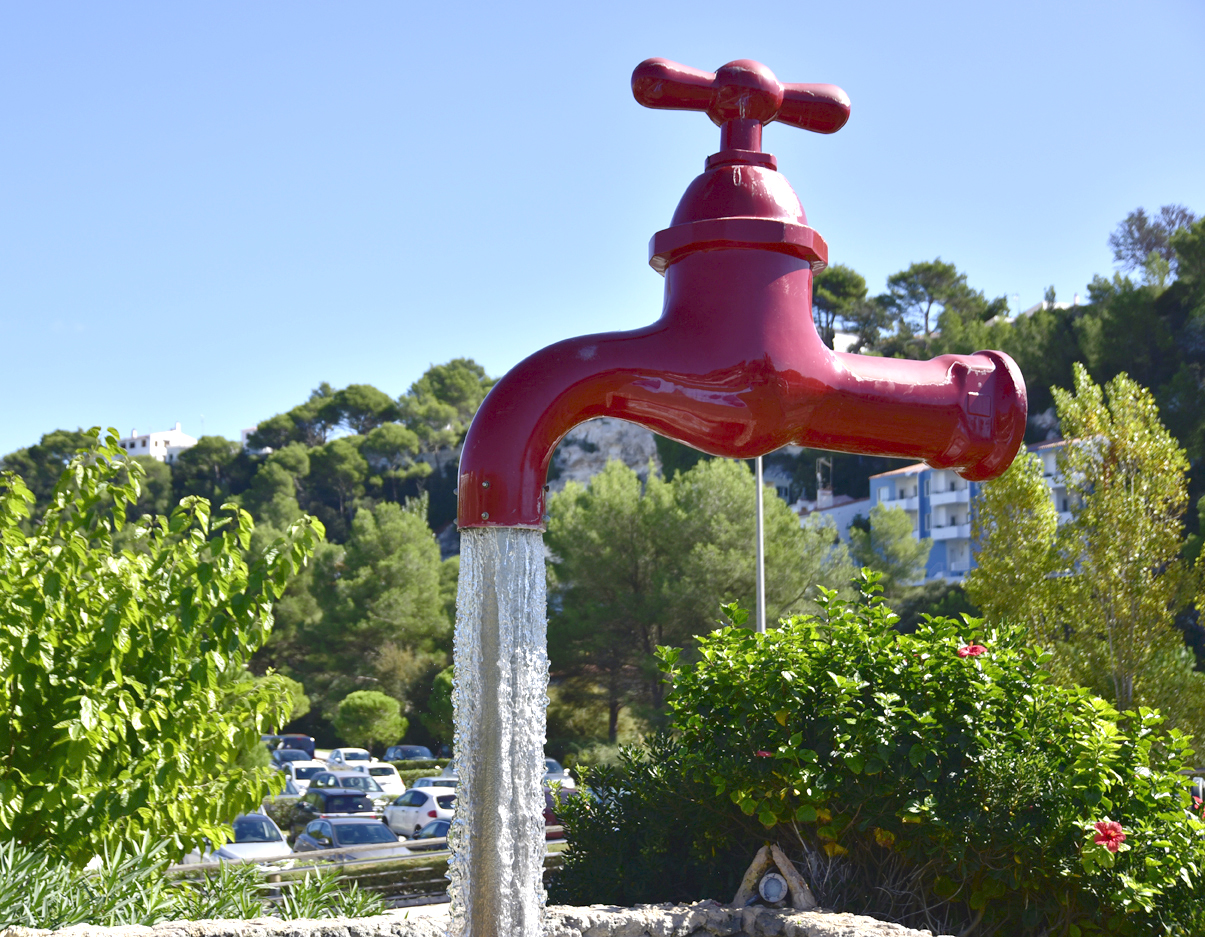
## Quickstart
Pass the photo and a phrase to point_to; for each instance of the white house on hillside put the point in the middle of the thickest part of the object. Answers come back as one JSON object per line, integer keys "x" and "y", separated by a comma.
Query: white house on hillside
{"x": 163, "y": 446}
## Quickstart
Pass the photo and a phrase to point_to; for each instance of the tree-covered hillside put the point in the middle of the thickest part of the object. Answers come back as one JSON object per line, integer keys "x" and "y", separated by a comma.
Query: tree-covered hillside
{"x": 374, "y": 611}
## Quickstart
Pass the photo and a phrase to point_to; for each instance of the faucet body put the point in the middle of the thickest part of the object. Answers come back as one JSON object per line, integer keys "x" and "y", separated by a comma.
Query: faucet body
{"x": 734, "y": 366}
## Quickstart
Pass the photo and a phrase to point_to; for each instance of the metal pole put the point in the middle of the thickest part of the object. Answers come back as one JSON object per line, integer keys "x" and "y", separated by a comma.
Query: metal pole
{"x": 761, "y": 555}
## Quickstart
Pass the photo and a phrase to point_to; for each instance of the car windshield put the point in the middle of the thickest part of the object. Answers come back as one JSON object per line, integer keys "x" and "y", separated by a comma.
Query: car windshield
{"x": 255, "y": 830}
{"x": 552, "y": 766}
{"x": 304, "y": 774}
{"x": 291, "y": 788}
{"x": 349, "y": 804}
{"x": 447, "y": 801}
{"x": 361, "y": 782}
{"x": 432, "y": 830}
{"x": 357, "y": 756}
{"x": 413, "y": 752}
{"x": 382, "y": 771}
{"x": 359, "y": 834}
{"x": 291, "y": 754}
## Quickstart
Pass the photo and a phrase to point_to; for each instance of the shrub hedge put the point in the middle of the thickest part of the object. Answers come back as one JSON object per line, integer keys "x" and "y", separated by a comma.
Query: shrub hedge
{"x": 939, "y": 779}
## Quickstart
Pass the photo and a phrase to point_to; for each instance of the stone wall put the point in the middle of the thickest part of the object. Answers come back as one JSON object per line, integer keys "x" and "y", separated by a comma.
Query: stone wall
{"x": 705, "y": 919}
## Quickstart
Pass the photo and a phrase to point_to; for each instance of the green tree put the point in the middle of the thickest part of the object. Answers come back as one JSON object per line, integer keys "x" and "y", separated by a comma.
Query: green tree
{"x": 920, "y": 292}
{"x": 299, "y": 703}
{"x": 215, "y": 469}
{"x": 1013, "y": 528}
{"x": 337, "y": 475}
{"x": 637, "y": 566}
{"x": 124, "y": 700}
{"x": 366, "y": 717}
{"x": 1126, "y": 478}
{"x": 362, "y": 408}
{"x": 437, "y": 717}
{"x": 440, "y": 405}
{"x": 890, "y": 548}
{"x": 391, "y": 451}
{"x": 836, "y": 293}
{"x": 1102, "y": 591}
{"x": 41, "y": 465}
{"x": 382, "y": 586}
{"x": 1139, "y": 236}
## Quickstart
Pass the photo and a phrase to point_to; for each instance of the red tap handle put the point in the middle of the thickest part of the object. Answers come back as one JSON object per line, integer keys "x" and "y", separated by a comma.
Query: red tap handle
{"x": 740, "y": 90}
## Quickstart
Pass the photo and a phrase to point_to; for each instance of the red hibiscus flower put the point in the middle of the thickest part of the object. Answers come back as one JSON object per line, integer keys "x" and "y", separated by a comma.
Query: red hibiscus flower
{"x": 971, "y": 650}
{"x": 764, "y": 754}
{"x": 1109, "y": 835}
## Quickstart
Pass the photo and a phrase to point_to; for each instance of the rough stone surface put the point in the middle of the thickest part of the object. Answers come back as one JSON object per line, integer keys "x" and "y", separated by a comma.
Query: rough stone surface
{"x": 705, "y": 919}
{"x": 586, "y": 450}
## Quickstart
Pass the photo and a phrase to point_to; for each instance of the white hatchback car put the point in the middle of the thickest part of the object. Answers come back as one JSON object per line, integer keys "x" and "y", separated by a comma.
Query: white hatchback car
{"x": 418, "y": 807}
{"x": 302, "y": 771}
{"x": 347, "y": 759}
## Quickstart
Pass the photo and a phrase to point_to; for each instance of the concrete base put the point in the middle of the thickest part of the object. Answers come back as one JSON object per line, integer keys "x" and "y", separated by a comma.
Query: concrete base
{"x": 705, "y": 919}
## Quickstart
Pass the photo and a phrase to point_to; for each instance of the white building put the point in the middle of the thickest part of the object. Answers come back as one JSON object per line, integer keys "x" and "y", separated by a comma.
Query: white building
{"x": 939, "y": 504}
{"x": 163, "y": 446}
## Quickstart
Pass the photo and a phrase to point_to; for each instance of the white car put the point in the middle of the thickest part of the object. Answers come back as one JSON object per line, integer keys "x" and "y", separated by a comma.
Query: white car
{"x": 386, "y": 776}
{"x": 301, "y": 771}
{"x": 255, "y": 839}
{"x": 347, "y": 758}
{"x": 418, "y": 807}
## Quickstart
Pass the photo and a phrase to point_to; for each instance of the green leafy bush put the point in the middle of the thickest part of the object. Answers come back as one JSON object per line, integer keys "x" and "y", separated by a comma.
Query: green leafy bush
{"x": 649, "y": 830}
{"x": 125, "y": 703}
{"x": 939, "y": 779}
{"x": 129, "y": 886}
{"x": 367, "y": 716}
{"x": 411, "y": 771}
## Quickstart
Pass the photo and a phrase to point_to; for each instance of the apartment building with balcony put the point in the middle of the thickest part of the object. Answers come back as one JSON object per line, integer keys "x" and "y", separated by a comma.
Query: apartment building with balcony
{"x": 939, "y": 504}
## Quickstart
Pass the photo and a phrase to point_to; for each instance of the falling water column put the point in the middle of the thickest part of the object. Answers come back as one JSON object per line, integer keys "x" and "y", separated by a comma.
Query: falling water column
{"x": 500, "y": 697}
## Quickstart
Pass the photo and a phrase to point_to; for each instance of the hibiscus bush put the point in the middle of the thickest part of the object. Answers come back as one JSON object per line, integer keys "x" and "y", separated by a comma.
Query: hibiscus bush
{"x": 939, "y": 779}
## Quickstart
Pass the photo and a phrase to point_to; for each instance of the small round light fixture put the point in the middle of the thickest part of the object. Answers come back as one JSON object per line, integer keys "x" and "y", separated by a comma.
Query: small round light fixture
{"x": 772, "y": 888}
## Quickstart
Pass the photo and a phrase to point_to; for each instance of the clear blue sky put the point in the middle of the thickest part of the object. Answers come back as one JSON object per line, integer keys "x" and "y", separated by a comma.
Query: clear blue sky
{"x": 208, "y": 208}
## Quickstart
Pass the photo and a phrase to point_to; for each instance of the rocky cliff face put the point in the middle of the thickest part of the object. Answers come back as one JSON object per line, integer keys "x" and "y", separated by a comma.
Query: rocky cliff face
{"x": 586, "y": 450}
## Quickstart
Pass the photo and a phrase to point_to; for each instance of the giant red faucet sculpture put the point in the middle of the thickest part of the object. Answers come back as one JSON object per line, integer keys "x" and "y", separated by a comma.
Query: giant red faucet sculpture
{"x": 734, "y": 366}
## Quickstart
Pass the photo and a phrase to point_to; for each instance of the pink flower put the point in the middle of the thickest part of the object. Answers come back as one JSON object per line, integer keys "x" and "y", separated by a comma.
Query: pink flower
{"x": 971, "y": 650}
{"x": 764, "y": 754}
{"x": 1109, "y": 835}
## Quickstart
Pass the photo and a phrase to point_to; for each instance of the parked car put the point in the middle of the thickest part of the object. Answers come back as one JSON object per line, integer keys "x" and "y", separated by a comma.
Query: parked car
{"x": 337, "y": 837}
{"x": 419, "y": 806}
{"x": 435, "y": 830}
{"x": 254, "y": 838}
{"x": 435, "y": 781}
{"x": 553, "y": 772}
{"x": 351, "y": 780}
{"x": 408, "y": 753}
{"x": 303, "y": 742}
{"x": 329, "y": 802}
{"x": 270, "y": 741}
{"x": 347, "y": 758}
{"x": 281, "y": 756}
{"x": 386, "y": 775}
{"x": 300, "y": 772}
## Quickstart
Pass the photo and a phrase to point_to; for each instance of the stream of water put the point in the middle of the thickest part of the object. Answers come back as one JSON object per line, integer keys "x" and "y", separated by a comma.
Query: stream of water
{"x": 500, "y": 697}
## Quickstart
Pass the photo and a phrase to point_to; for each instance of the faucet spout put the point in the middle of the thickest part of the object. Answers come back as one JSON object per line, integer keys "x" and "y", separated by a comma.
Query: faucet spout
{"x": 734, "y": 367}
